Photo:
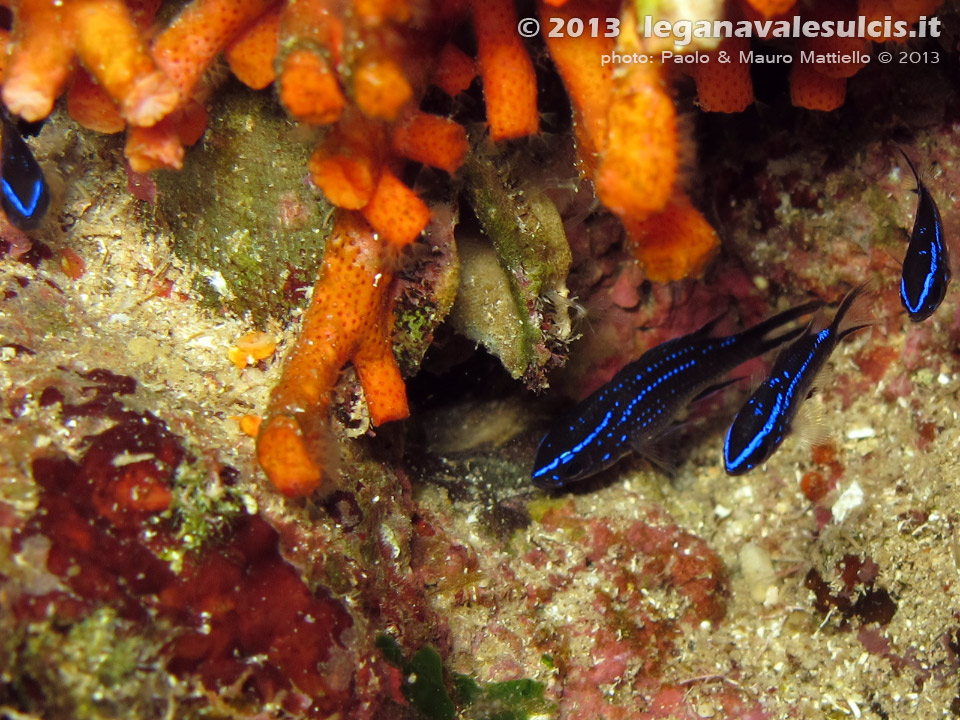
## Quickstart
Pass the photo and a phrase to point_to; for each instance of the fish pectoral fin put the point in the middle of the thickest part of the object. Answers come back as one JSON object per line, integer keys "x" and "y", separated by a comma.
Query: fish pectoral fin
{"x": 810, "y": 425}
{"x": 659, "y": 451}
{"x": 659, "y": 455}
{"x": 824, "y": 378}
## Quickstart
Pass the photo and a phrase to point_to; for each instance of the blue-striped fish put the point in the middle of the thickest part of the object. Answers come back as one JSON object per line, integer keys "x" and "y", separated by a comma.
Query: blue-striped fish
{"x": 926, "y": 266}
{"x": 640, "y": 403}
{"x": 24, "y": 195}
{"x": 764, "y": 421}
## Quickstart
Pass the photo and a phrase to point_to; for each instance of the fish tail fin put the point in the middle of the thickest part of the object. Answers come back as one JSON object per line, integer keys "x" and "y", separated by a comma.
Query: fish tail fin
{"x": 763, "y": 336}
{"x": 854, "y": 312}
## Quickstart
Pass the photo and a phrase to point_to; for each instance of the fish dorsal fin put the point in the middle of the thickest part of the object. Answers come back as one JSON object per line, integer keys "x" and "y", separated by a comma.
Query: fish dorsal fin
{"x": 913, "y": 169}
{"x": 707, "y": 327}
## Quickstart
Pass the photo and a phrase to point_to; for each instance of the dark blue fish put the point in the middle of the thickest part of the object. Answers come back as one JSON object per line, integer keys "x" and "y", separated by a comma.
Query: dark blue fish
{"x": 23, "y": 191}
{"x": 926, "y": 266}
{"x": 639, "y": 404}
{"x": 761, "y": 425}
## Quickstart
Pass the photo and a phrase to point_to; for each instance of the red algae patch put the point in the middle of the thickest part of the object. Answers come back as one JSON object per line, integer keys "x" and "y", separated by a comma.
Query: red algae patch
{"x": 250, "y": 629}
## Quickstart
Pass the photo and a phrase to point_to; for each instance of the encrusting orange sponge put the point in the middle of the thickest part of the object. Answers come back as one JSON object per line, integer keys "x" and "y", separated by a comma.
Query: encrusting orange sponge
{"x": 349, "y": 318}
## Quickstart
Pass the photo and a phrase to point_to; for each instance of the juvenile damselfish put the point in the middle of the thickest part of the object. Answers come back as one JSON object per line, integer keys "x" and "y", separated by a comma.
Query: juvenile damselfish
{"x": 926, "y": 266}
{"x": 639, "y": 404}
{"x": 24, "y": 195}
{"x": 763, "y": 423}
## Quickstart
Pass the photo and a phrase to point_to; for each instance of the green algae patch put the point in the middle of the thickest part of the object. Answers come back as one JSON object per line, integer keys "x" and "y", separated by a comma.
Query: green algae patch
{"x": 539, "y": 508}
{"x": 203, "y": 505}
{"x": 242, "y": 212}
{"x": 99, "y": 668}
{"x": 424, "y": 686}
{"x": 425, "y": 689}
{"x": 510, "y": 700}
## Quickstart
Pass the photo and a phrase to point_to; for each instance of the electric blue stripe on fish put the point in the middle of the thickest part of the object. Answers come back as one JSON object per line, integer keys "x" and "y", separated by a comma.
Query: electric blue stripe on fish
{"x": 31, "y": 207}
{"x": 638, "y": 404}
{"x": 783, "y": 402}
{"x": 929, "y": 278}
{"x": 24, "y": 195}
{"x": 762, "y": 423}
{"x": 926, "y": 265}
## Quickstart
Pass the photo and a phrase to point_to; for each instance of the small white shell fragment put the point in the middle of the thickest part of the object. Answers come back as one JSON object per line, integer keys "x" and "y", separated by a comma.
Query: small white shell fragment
{"x": 758, "y": 571}
{"x": 850, "y": 499}
{"x": 861, "y": 433}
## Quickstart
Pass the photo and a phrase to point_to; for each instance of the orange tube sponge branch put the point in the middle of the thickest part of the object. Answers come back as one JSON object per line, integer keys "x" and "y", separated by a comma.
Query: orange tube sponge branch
{"x": 674, "y": 243}
{"x": 252, "y": 53}
{"x": 309, "y": 89}
{"x": 431, "y": 140}
{"x": 638, "y": 166}
{"x": 380, "y": 87}
{"x": 109, "y": 45}
{"x": 725, "y": 87}
{"x": 588, "y": 80}
{"x": 396, "y": 212}
{"x": 90, "y": 105}
{"x": 41, "y": 58}
{"x": 815, "y": 91}
{"x": 346, "y": 164}
{"x": 349, "y": 318}
{"x": 455, "y": 70}
{"x": 185, "y": 49}
{"x": 509, "y": 81}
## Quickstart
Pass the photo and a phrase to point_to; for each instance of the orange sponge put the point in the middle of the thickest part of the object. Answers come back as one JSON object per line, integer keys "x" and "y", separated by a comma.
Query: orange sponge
{"x": 396, "y": 212}
{"x": 638, "y": 165}
{"x": 674, "y": 243}
{"x": 309, "y": 90}
{"x": 349, "y": 318}
{"x": 431, "y": 140}
{"x": 815, "y": 91}
{"x": 251, "y": 54}
{"x": 589, "y": 82}
{"x": 509, "y": 82}
{"x": 725, "y": 87}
